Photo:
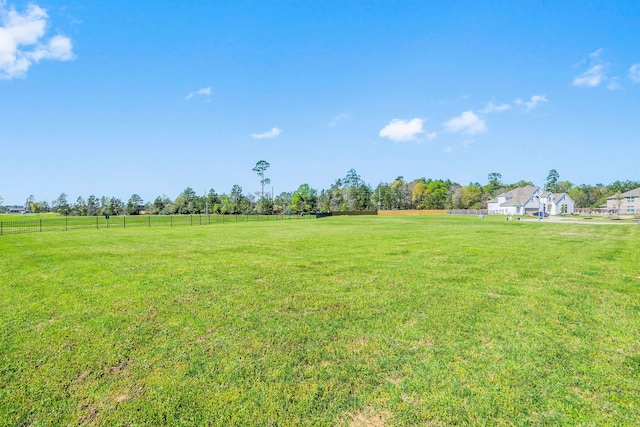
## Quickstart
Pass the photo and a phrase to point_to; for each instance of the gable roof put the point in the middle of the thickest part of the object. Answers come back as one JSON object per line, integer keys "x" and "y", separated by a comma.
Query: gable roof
{"x": 558, "y": 197}
{"x": 517, "y": 196}
{"x": 635, "y": 192}
{"x": 517, "y": 200}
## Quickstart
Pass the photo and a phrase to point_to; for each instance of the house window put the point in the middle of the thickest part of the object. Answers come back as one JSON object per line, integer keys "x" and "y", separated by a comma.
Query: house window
{"x": 630, "y": 210}
{"x": 630, "y": 199}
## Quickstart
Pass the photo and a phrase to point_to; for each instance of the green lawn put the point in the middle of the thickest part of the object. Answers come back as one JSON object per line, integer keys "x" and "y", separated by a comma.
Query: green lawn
{"x": 380, "y": 321}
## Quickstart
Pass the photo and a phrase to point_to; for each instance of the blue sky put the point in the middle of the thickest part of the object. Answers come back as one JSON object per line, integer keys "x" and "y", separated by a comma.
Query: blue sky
{"x": 150, "y": 97}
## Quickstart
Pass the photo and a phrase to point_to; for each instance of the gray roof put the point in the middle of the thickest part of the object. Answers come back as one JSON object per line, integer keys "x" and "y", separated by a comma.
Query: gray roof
{"x": 518, "y": 196}
{"x": 517, "y": 201}
{"x": 635, "y": 192}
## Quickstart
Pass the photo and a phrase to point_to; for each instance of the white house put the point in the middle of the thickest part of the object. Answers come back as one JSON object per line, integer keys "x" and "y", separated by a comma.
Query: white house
{"x": 560, "y": 204}
{"x": 530, "y": 199}
{"x": 626, "y": 203}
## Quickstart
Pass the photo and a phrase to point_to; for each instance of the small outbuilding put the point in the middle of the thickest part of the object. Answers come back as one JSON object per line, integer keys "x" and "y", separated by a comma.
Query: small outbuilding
{"x": 16, "y": 210}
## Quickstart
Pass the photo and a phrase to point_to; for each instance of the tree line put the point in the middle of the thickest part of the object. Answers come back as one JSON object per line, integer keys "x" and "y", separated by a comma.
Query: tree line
{"x": 350, "y": 193}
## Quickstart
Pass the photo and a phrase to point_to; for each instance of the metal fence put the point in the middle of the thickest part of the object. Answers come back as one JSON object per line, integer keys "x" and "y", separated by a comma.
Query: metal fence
{"x": 98, "y": 222}
{"x": 467, "y": 212}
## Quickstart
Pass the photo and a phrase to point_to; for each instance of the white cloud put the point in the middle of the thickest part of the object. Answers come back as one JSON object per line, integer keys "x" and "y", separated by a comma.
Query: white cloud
{"x": 468, "y": 122}
{"x": 448, "y": 149}
{"x": 205, "y": 91}
{"x": 402, "y": 130}
{"x": 269, "y": 134}
{"x": 25, "y": 30}
{"x": 494, "y": 108}
{"x": 431, "y": 136}
{"x": 338, "y": 119}
{"x": 596, "y": 53}
{"x": 634, "y": 73}
{"x": 593, "y": 77}
{"x": 613, "y": 84}
{"x": 596, "y": 73}
{"x": 533, "y": 103}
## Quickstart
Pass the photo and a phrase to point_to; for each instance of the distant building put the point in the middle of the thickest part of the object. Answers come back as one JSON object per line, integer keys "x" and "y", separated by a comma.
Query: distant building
{"x": 529, "y": 200}
{"x": 626, "y": 203}
{"x": 16, "y": 210}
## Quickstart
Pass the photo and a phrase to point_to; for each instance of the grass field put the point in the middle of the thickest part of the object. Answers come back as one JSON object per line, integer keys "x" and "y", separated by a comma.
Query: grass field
{"x": 40, "y": 223}
{"x": 365, "y": 321}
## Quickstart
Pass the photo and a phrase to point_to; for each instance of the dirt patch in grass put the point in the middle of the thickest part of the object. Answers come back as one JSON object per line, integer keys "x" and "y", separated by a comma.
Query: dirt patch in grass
{"x": 89, "y": 416}
{"x": 369, "y": 417}
{"x": 122, "y": 398}
{"x": 117, "y": 369}
{"x": 83, "y": 376}
{"x": 395, "y": 380}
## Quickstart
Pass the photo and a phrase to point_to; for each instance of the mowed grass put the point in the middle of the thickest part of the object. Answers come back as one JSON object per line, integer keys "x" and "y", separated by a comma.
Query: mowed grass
{"x": 380, "y": 321}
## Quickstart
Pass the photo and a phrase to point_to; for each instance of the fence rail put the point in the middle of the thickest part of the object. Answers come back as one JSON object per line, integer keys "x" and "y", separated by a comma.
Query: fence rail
{"x": 414, "y": 212}
{"x": 98, "y": 222}
{"x": 467, "y": 212}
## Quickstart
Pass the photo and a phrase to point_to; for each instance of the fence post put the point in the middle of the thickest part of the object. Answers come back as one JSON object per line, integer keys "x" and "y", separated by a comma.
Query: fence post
{"x": 66, "y": 223}
{"x": 41, "y": 226}
{"x": 124, "y": 221}
{"x": 149, "y": 220}
{"x": 97, "y": 225}
{"x": 170, "y": 220}
{"x": 191, "y": 217}
{"x": 0, "y": 228}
